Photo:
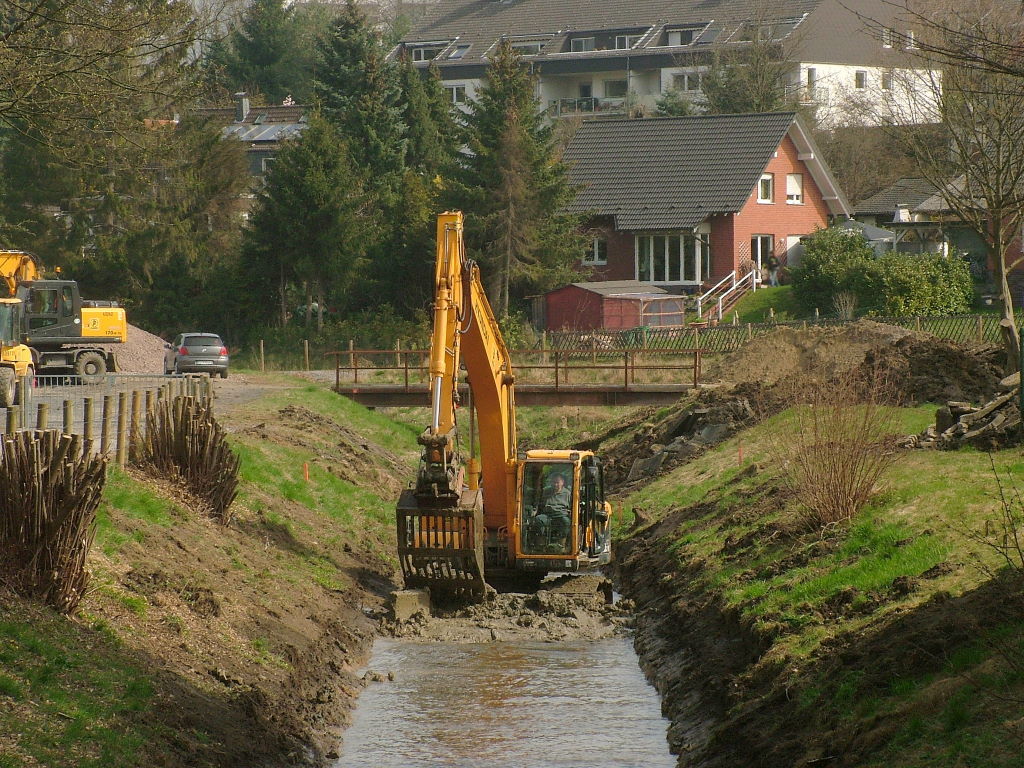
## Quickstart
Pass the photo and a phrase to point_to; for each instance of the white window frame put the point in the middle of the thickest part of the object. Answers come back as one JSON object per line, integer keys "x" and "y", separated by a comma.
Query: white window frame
{"x": 690, "y": 81}
{"x": 583, "y": 47}
{"x": 627, "y": 41}
{"x": 910, "y": 42}
{"x": 770, "y": 197}
{"x": 266, "y": 162}
{"x": 860, "y": 79}
{"x": 527, "y": 48}
{"x": 459, "y": 52}
{"x": 453, "y": 93}
{"x": 674, "y": 245}
{"x": 592, "y": 257}
{"x": 681, "y": 32}
{"x": 794, "y": 188}
{"x": 418, "y": 53}
{"x": 888, "y": 36}
{"x": 886, "y": 83}
{"x": 758, "y": 255}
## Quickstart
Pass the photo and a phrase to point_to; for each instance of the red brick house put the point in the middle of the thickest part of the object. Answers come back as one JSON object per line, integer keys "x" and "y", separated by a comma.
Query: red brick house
{"x": 681, "y": 202}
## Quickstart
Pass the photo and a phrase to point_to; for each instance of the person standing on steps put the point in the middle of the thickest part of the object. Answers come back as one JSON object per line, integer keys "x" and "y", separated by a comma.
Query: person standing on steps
{"x": 773, "y": 270}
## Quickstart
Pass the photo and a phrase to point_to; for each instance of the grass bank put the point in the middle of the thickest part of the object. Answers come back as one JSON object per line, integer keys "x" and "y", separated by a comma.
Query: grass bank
{"x": 892, "y": 640}
{"x": 207, "y": 645}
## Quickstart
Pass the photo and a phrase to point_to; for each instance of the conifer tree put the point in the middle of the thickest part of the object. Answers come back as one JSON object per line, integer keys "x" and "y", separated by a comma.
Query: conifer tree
{"x": 427, "y": 113}
{"x": 514, "y": 188}
{"x": 309, "y": 225}
{"x": 357, "y": 90}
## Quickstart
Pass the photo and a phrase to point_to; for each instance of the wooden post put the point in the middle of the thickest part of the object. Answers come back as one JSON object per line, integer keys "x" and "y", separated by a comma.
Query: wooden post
{"x": 750, "y": 331}
{"x": 19, "y": 391}
{"x": 980, "y": 327}
{"x": 12, "y": 421}
{"x": 42, "y": 416}
{"x": 355, "y": 364}
{"x": 556, "y": 369}
{"x": 817, "y": 315}
{"x": 108, "y": 407}
{"x": 771, "y": 314}
{"x": 122, "y": 428}
{"x": 136, "y": 414}
{"x": 696, "y": 338}
{"x": 398, "y": 353}
{"x": 87, "y": 430}
{"x": 544, "y": 347}
{"x": 625, "y": 368}
{"x": 917, "y": 323}
{"x": 405, "y": 358}
{"x": 805, "y": 325}
{"x": 696, "y": 367}
{"x": 593, "y": 349}
{"x": 69, "y": 417}
{"x": 351, "y": 353}
{"x": 305, "y": 352}
{"x": 263, "y": 360}
{"x": 149, "y": 401}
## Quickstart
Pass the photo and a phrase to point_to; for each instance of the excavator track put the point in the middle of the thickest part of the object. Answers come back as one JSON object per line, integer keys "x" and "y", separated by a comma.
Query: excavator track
{"x": 441, "y": 547}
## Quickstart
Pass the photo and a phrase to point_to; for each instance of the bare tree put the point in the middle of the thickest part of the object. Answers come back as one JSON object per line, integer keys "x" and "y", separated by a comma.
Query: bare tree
{"x": 74, "y": 66}
{"x": 982, "y": 110}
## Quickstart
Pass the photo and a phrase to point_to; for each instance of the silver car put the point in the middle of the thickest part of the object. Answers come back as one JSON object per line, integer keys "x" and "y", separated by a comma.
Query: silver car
{"x": 196, "y": 353}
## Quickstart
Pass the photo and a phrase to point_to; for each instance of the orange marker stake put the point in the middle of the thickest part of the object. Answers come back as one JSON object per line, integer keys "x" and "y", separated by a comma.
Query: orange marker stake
{"x": 305, "y": 470}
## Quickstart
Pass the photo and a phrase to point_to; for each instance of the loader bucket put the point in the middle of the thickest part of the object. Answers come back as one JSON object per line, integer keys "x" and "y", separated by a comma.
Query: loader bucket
{"x": 441, "y": 548}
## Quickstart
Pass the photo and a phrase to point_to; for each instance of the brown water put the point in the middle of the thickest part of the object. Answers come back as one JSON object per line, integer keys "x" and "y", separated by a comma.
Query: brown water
{"x": 507, "y": 705}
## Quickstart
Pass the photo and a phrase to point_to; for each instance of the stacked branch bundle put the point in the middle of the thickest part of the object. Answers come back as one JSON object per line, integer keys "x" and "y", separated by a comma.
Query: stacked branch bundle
{"x": 50, "y": 487}
{"x": 183, "y": 441}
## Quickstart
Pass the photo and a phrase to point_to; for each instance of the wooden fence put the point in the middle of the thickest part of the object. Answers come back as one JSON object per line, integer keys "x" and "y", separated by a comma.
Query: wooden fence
{"x": 110, "y": 414}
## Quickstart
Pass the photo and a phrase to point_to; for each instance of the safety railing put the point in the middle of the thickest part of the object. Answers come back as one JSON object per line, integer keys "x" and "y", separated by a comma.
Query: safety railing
{"x": 724, "y": 294}
{"x": 598, "y": 367}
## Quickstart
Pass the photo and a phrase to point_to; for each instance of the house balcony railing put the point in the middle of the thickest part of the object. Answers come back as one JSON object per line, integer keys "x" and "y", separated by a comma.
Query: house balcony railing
{"x": 586, "y": 106}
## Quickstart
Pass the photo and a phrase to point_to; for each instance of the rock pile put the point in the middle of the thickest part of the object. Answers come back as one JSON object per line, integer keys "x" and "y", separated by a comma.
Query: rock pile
{"x": 141, "y": 353}
{"x": 994, "y": 424}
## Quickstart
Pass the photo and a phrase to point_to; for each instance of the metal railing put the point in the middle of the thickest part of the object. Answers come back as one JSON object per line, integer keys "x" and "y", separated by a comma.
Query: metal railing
{"x": 725, "y": 293}
{"x": 599, "y": 366}
{"x": 586, "y": 105}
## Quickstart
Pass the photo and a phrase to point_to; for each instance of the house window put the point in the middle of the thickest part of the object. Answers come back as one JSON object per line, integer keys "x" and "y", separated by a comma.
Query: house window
{"x": 761, "y": 247}
{"x": 910, "y": 43}
{"x": 459, "y": 52}
{"x": 527, "y": 49}
{"x": 888, "y": 35}
{"x": 266, "y": 162}
{"x": 673, "y": 258}
{"x": 615, "y": 89}
{"x": 425, "y": 54}
{"x": 766, "y": 188}
{"x": 794, "y": 188}
{"x": 812, "y": 81}
{"x": 456, "y": 93}
{"x": 581, "y": 44}
{"x": 860, "y": 78}
{"x": 686, "y": 81}
{"x": 597, "y": 252}
{"x": 887, "y": 81}
{"x": 586, "y": 90}
{"x": 681, "y": 36}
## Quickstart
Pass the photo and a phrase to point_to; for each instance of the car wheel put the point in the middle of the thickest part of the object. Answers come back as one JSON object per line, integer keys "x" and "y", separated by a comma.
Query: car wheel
{"x": 90, "y": 367}
{"x": 224, "y": 373}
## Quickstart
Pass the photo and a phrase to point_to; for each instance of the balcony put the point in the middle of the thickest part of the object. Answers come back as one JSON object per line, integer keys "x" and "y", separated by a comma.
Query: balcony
{"x": 590, "y": 105}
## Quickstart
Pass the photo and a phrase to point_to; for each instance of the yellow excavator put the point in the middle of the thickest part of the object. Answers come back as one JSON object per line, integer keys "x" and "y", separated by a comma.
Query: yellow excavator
{"x": 45, "y": 325}
{"x": 507, "y": 516}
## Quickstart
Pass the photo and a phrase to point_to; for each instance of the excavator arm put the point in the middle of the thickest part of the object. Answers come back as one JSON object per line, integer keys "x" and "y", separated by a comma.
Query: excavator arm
{"x": 442, "y": 523}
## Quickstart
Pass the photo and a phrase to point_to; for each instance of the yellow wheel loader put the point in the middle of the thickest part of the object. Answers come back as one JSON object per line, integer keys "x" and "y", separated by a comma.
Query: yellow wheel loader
{"x": 507, "y": 515}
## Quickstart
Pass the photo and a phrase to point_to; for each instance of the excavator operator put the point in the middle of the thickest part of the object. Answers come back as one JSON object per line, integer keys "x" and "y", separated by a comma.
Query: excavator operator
{"x": 553, "y": 517}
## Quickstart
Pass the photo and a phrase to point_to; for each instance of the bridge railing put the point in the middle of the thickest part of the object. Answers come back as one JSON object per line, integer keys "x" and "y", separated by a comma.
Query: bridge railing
{"x": 558, "y": 368}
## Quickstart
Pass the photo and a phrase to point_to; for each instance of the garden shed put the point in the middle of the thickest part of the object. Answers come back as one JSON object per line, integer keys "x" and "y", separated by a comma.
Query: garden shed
{"x": 610, "y": 305}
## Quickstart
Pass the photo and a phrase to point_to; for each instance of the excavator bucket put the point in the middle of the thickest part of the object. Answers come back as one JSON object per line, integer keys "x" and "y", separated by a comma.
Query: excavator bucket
{"x": 441, "y": 547}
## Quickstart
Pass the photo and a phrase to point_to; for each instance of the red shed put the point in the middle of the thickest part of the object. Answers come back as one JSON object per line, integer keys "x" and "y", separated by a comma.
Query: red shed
{"x": 610, "y": 305}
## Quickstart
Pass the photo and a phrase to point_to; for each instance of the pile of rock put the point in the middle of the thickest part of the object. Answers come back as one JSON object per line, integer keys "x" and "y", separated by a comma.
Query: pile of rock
{"x": 689, "y": 433}
{"x": 991, "y": 425}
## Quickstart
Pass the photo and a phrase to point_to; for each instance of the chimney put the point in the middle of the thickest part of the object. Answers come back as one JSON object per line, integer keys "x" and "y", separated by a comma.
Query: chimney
{"x": 241, "y": 106}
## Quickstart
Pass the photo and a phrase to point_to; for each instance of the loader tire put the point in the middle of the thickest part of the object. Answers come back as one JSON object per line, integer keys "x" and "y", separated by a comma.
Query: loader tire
{"x": 91, "y": 367}
{"x": 8, "y": 387}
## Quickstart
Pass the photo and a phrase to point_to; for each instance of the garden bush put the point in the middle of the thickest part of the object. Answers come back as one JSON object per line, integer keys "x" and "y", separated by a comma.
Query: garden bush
{"x": 838, "y": 263}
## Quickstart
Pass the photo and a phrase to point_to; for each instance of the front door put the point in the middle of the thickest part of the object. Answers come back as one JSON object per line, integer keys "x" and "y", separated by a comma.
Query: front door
{"x": 761, "y": 247}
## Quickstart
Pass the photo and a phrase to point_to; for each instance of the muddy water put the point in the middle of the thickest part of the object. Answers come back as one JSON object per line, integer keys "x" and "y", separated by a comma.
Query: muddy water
{"x": 507, "y": 705}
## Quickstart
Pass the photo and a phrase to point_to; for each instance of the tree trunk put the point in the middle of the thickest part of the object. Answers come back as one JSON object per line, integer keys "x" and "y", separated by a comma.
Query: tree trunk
{"x": 1008, "y": 323}
{"x": 309, "y": 302}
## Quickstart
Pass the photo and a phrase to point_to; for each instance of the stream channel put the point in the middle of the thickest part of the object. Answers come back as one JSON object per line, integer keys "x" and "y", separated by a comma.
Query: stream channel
{"x": 578, "y": 704}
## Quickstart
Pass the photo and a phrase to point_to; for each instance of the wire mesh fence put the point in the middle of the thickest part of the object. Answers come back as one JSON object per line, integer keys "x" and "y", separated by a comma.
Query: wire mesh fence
{"x": 730, "y": 337}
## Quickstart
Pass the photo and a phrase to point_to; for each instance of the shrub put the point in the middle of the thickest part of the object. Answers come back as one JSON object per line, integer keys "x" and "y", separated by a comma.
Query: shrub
{"x": 838, "y": 265}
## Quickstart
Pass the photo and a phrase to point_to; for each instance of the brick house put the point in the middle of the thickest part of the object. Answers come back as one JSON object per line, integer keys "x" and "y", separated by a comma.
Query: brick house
{"x": 681, "y": 202}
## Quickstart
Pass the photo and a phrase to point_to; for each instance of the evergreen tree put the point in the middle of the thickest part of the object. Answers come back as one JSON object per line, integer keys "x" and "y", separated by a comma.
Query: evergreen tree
{"x": 514, "y": 188}
{"x": 358, "y": 91}
{"x": 309, "y": 226}
{"x": 267, "y": 54}
{"x": 432, "y": 132}
{"x": 674, "y": 104}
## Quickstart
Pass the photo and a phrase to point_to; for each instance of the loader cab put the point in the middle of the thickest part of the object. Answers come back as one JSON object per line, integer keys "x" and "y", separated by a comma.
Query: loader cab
{"x": 563, "y": 517}
{"x": 10, "y": 322}
{"x": 52, "y": 310}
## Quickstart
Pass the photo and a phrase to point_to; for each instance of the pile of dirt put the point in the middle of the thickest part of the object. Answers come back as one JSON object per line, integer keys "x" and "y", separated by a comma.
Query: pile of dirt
{"x": 991, "y": 426}
{"x": 141, "y": 353}
{"x": 771, "y": 372}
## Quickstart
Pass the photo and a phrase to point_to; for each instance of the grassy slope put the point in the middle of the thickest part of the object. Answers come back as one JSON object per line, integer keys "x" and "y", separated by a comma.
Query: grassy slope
{"x": 753, "y": 308}
{"x": 83, "y": 691}
{"x": 805, "y": 594}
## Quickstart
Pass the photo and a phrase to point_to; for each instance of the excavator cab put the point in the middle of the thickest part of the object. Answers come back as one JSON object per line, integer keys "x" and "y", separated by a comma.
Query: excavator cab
{"x": 563, "y": 516}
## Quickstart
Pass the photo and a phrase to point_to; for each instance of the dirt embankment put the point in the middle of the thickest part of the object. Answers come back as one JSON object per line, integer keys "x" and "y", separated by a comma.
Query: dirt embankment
{"x": 727, "y": 708}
